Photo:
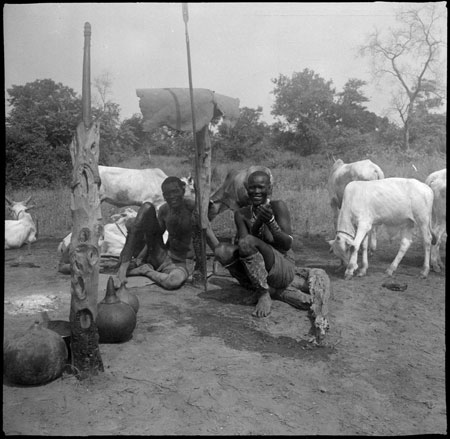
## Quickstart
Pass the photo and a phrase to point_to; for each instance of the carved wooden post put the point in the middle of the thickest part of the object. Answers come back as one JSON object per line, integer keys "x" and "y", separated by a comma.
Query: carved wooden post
{"x": 204, "y": 152}
{"x": 86, "y": 230}
{"x": 203, "y": 171}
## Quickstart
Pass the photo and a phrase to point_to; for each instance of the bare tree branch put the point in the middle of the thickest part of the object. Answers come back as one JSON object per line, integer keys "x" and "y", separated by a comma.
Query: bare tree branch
{"x": 410, "y": 54}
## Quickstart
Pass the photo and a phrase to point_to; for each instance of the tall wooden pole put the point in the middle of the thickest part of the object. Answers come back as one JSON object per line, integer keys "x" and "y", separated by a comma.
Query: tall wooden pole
{"x": 86, "y": 90}
{"x": 86, "y": 230}
{"x": 198, "y": 157}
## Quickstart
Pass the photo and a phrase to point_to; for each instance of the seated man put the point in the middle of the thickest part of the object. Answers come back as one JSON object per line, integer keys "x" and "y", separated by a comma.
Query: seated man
{"x": 165, "y": 264}
{"x": 263, "y": 258}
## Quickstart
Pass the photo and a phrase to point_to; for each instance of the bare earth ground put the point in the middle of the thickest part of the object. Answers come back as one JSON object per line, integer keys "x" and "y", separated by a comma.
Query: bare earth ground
{"x": 199, "y": 363}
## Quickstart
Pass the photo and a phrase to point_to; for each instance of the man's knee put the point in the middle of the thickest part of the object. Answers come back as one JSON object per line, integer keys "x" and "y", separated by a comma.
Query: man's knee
{"x": 146, "y": 211}
{"x": 246, "y": 245}
{"x": 226, "y": 253}
{"x": 176, "y": 278}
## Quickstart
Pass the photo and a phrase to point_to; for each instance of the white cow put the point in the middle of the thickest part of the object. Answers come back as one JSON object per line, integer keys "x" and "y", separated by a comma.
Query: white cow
{"x": 343, "y": 173}
{"x": 438, "y": 183}
{"x": 132, "y": 187}
{"x": 111, "y": 243}
{"x": 398, "y": 203}
{"x": 22, "y": 229}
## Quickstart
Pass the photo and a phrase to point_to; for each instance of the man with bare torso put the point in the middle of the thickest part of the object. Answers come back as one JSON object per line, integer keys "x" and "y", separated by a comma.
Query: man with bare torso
{"x": 165, "y": 264}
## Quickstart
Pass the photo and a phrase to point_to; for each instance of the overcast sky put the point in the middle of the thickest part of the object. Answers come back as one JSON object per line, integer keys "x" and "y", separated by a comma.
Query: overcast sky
{"x": 236, "y": 48}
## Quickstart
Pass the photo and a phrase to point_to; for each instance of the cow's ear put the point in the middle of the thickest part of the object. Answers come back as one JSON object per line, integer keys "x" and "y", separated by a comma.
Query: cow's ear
{"x": 331, "y": 242}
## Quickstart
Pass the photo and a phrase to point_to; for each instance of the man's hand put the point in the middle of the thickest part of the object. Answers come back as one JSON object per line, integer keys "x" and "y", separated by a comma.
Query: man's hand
{"x": 121, "y": 277}
{"x": 264, "y": 213}
{"x": 118, "y": 282}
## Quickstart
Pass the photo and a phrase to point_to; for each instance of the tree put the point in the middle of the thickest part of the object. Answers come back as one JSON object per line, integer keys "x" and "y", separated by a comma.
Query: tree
{"x": 132, "y": 131}
{"x": 39, "y": 128}
{"x": 305, "y": 105}
{"x": 245, "y": 138}
{"x": 103, "y": 86}
{"x": 428, "y": 129}
{"x": 116, "y": 140}
{"x": 350, "y": 111}
{"x": 409, "y": 55}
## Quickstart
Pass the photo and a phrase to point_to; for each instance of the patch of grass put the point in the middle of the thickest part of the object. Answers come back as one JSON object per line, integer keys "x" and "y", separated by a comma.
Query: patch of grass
{"x": 302, "y": 187}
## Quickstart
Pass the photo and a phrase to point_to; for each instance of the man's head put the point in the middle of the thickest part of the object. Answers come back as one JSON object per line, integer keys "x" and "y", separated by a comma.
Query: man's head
{"x": 258, "y": 187}
{"x": 173, "y": 191}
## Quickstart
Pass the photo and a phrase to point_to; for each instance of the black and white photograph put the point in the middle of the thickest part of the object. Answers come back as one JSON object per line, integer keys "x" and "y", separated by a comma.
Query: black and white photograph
{"x": 225, "y": 219}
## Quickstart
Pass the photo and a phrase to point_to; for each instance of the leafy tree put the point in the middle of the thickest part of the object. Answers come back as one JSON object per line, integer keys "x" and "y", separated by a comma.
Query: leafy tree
{"x": 410, "y": 55}
{"x": 428, "y": 128}
{"x": 305, "y": 106}
{"x": 244, "y": 139}
{"x": 350, "y": 110}
{"x": 39, "y": 128}
{"x": 132, "y": 130}
{"x": 41, "y": 125}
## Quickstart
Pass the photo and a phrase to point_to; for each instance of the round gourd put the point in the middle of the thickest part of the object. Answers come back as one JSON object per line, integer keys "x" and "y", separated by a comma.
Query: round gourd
{"x": 35, "y": 357}
{"x": 116, "y": 320}
{"x": 128, "y": 297}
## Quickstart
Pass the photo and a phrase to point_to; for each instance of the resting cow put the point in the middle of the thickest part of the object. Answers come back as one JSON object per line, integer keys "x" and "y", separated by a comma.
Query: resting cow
{"x": 132, "y": 187}
{"x": 438, "y": 183}
{"x": 398, "y": 203}
{"x": 343, "y": 173}
{"x": 232, "y": 193}
{"x": 111, "y": 243}
{"x": 22, "y": 229}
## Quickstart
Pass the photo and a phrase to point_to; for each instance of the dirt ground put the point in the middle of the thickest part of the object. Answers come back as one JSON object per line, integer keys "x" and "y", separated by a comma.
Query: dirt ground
{"x": 200, "y": 364}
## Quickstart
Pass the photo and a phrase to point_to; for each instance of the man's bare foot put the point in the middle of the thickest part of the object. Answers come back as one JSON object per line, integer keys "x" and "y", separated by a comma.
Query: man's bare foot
{"x": 263, "y": 306}
{"x": 251, "y": 299}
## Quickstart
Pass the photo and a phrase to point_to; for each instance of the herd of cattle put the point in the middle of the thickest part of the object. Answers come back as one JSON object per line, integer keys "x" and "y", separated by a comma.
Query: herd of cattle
{"x": 361, "y": 198}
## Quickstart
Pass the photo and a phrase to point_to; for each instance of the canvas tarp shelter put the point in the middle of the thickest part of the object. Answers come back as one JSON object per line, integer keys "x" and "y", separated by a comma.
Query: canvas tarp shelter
{"x": 172, "y": 107}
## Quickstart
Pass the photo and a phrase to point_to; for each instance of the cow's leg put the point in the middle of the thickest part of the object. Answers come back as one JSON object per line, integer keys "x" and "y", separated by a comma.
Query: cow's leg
{"x": 405, "y": 243}
{"x": 353, "y": 262}
{"x": 436, "y": 261}
{"x": 373, "y": 240}
{"x": 364, "y": 257}
{"x": 427, "y": 238}
{"x": 440, "y": 235}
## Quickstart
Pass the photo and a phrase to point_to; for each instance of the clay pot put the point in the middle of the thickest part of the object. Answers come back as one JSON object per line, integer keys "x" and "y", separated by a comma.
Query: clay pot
{"x": 61, "y": 327}
{"x": 128, "y": 297}
{"x": 35, "y": 357}
{"x": 116, "y": 320}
